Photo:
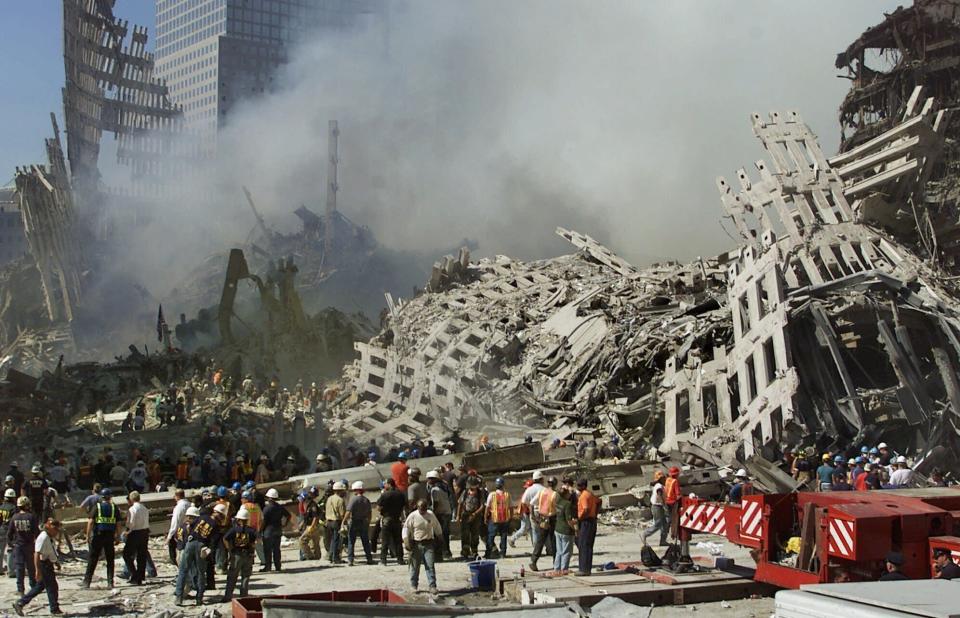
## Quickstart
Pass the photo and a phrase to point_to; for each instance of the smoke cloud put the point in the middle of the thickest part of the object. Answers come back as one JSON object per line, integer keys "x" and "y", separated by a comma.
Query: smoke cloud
{"x": 500, "y": 120}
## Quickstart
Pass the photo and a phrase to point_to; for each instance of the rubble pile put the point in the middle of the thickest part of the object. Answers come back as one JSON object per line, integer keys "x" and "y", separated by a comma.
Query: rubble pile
{"x": 819, "y": 330}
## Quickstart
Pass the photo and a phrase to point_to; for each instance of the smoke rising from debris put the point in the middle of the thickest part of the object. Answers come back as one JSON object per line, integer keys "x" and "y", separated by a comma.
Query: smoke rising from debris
{"x": 500, "y": 120}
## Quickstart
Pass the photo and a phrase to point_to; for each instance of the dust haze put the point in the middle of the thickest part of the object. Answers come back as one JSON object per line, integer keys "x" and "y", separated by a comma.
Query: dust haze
{"x": 499, "y": 121}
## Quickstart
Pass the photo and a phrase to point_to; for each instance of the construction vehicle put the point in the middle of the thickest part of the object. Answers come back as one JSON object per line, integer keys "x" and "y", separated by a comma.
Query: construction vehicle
{"x": 843, "y": 535}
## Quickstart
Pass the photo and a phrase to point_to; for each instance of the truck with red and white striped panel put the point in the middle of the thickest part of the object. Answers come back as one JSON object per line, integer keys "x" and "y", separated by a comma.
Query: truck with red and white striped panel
{"x": 844, "y": 535}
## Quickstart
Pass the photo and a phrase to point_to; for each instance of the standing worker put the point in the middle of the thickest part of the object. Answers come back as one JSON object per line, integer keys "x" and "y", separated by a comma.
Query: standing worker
{"x": 357, "y": 520}
{"x": 275, "y": 517}
{"x": 565, "y": 529}
{"x": 892, "y": 565}
{"x": 311, "y": 535}
{"x": 587, "y": 507}
{"x": 102, "y": 534}
{"x": 336, "y": 510}
{"x": 944, "y": 565}
{"x": 21, "y": 538}
{"x": 7, "y": 510}
{"x": 179, "y": 513}
{"x": 497, "y": 516}
{"x": 671, "y": 497}
{"x": 240, "y": 541}
{"x": 658, "y": 511}
{"x": 391, "y": 504}
{"x": 204, "y": 534}
{"x": 420, "y": 531}
{"x": 46, "y": 563}
{"x": 439, "y": 501}
{"x": 138, "y": 534}
{"x": 400, "y": 472}
{"x": 470, "y": 515}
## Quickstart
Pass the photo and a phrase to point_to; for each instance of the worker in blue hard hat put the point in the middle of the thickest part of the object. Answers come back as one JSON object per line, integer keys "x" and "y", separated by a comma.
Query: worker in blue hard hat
{"x": 498, "y": 514}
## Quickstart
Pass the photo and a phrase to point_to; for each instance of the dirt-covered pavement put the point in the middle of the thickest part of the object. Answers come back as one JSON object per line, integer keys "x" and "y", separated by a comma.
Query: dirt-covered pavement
{"x": 614, "y": 543}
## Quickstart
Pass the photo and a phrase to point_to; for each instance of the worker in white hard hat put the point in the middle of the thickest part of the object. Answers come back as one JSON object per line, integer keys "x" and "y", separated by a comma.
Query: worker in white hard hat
{"x": 886, "y": 455}
{"x": 438, "y": 497}
{"x": 529, "y": 497}
{"x": 335, "y": 511}
{"x": 7, "y": 509}
{"x": 740, "y": 488}
{"x": 182, "y": 531}
{"x": 240, "y": 541}
{"x": 902, "y": 475}
{"x": 275, "y": 518}
{"x": 198, "y": 551}
{"x": 356, "y": 522}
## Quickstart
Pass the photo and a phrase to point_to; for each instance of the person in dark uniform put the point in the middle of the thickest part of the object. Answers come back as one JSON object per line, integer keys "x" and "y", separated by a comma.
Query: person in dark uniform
{"x": 18, "y": 479}
{"x": 21, "y": 538}
{"x": 103, "y": 534}
{"x": 893, "y": 562}
{"x": 36, "y": 487}
{"x": 204, "y": 535}
{"x": 275, "y": 518}
{"x": 391, "y": 504}
{"x": 945, "y": 567}
{"x": 240, "y": 541}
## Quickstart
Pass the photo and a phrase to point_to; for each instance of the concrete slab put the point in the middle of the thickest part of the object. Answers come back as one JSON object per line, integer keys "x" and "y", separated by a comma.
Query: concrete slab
{"x": 932, "y": 597}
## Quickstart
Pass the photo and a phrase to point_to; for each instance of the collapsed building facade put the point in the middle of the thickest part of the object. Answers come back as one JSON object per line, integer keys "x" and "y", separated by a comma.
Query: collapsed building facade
{"x": 819, "y": 330}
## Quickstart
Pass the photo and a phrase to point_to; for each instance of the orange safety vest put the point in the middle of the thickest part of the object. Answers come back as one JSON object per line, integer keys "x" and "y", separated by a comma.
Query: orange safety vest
{"x": 182, "y": 471}
{"x": 500, "y": 507}
{"x": 671, "y": 490}
{"x": 253, "y": 514}
{"x": 546, "y": 502}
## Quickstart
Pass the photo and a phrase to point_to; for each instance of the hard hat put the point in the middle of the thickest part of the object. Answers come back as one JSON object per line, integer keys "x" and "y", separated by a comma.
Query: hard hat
{"x": 239, "y": 459}
{"x": 674, "y": 471}
{"x": 537, "y": 475}
{"x": 10, "y": 493}
{"x": 23, "y": 502}
{"x": 35, "y": 470}
{"x": 242, "y": 514}
{"x": 851, "y": 462}
{"x": 106, "y": 492}
{"x": 249, "y": 484}
{"x": 864, "y": 449}
{"x": 658, "y": 475}
{"x": 860, "y": 459}
{"x": 338, "y": 486}
{"x": 220, "y": 508}
{"x": 874, "y": 451}
{"x": 193, "y": 512}
{"x": 402, "y": 455}
{"x": 414, "y": 472}
{"x": 838, "y": 459}
{"x": 432, "y": 474}
{"x": 273, "y": 493}
{"x": 867, "y": 467}
{"x": 826, "y": 457}
{"x": 8, "y": 478}
{"x": 901, "y": 459}
{"x": 51, "y": 491}
{"x": 741, "y": 474}
{"x": 221, "y": 492}
{"x": 499, "y": 482}
{"x": 321, "y": 457}
{"x": 246, "y": 495}
{"x": 882, "y": 445}
{"x": 357, "y": 485}
{"x": 13, "y": 464}
{"x": 236, "y": 486}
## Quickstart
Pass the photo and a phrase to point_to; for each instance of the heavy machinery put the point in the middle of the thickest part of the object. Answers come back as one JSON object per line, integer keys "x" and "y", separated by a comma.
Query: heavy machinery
{"x": 843, "y": 535}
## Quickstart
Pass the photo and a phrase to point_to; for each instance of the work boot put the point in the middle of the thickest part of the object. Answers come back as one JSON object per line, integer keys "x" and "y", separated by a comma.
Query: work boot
{"x": 178, "y": 601}
{"x": 18, "y": 608}
{"x": 512, "y": 543}
{"x": 56, "y": 612}
{"x": 533, "y": 567}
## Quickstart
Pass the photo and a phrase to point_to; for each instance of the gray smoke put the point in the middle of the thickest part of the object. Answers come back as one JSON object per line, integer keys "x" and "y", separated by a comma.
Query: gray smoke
{"x": 500, "y": 120}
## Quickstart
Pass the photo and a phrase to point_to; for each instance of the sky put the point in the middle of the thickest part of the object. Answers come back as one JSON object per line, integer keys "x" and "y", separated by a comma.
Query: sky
{"x": 501, "y": 120}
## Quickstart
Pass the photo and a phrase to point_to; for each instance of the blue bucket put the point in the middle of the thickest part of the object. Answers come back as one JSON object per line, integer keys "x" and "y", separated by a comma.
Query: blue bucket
{"x": 483, "y": 574}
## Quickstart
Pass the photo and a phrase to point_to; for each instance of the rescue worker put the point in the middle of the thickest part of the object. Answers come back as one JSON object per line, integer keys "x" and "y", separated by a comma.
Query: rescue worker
{"x": 528, "y": 502}
{"x": 135, "y": 548}
{"x": 902, "y": 476}
{"x": 588, "y": 505}
{"x": 671, "y": 498}
{"x": 203, "y": 537}
{"x": 740, "y": 488}
{"x": 824, "y": 474}
{"x": 566, "y": 526}
{"x": 420, "y": 531}
{"x": 275, "y": 518}
{"x": 103, "y": 534}
{"x": 391, "y": 505}
{"x": 240, "y": 541}
{"x": 497, "y": 515}
{"x": 7, "y": 510}
{"x": 525, "y": 525}
{"x": 416, "y": 490}
{"x": 311, "y": 535}
{"x": 886, "y": 455}
{"x": 36, "y": 487}
{"x": 17, "y": 475}
{"x": 323, "y": 463}
{"x": 658, "y": 511}
{"x": 892, "y": 564}
{"x": 399, "y": 472}
{"x": 335, "y": 511}
{"x": 357, "y": 522}
{"x": 470, "y": 515}
{"x": 612, "y": 449}
{"x": 183, "y": 532}
{"x": 46, "y": 563}
{"x": 544, "y": 519}
{"x": 439, "y": 501}
{"x": 176, "y": 520}
{"x": 21, "y": 539}
{"x": 944, "y": 565}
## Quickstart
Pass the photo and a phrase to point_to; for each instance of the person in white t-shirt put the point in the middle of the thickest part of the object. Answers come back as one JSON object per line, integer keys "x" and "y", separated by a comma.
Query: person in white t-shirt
{"x": 658, "y": 510}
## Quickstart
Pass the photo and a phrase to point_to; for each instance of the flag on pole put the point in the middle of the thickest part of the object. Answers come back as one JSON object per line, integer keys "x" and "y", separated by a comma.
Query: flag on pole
{"x": 161, "y": 324}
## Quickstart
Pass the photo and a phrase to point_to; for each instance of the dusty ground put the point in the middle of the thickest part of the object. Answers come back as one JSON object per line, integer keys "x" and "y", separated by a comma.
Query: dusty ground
{"x": 614, "y": 543}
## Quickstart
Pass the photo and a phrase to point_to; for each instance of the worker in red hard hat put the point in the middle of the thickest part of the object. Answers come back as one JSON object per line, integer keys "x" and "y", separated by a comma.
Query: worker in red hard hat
{"x": 671, "y": 497}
